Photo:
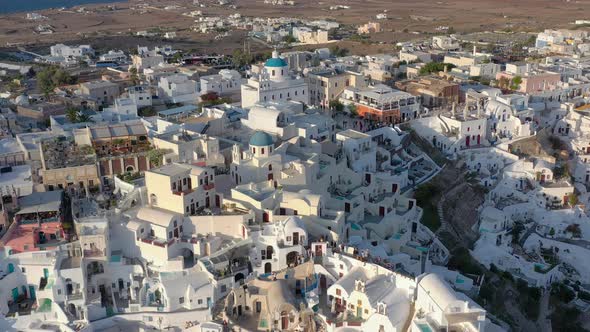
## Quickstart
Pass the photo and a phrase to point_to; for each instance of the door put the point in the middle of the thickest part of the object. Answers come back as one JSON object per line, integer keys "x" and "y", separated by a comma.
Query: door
{"x": 394, "y": 188}
{"x": 207, "y": 202}
{"x": 267, "y": 268}
{"x": 32, "y": 294}
{"x": 270, "y": 177}
{"x": 478, "y": 139}
{"x": 359, "y": 311}
{"x": 368, "y": 178}
{"x": 239, "y": 310}
{"x": 46, "y": 273}
{"x": 295, "y": 238}
{"x": 265, "y": 217}
{"x": 346, "y": 207}
{"x": 217, "y": 201}
{"x": 318, "y": 250}
{"x": 284, "y": 321}
{"x": 10, "y": 267}
{"x": 467, "y": 140}
{"x": 15, "y": 294}
{"x": 381, "y": 211}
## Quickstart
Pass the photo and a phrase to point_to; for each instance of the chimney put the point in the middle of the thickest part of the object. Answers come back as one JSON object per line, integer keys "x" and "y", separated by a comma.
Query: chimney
{"x": 474, "y": 50}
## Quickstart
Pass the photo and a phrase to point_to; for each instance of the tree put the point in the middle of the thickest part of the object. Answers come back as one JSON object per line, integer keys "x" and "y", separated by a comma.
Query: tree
{"x": 574, "y": 229}
{"x": 336, "y": 106}
{"x": 72, "y": 114}
{"x": 51, "y": 77}
{"x": 177, "y": 58}
{"x": 516, "y": 230}
{"x": 435, "y": 67}
{"x": 337, "y": 51}
{"x": 572, "y": 199}
{"x": 503, "y": 82}
{"x": 155, "y": 156}
{"x": 209, "y": 96}
{"x": 134, "y": 77}
{"x": 240, "y": 58}
{"x": 425, "y": 192}
{"x": 289, "y": 39}
{"x": 352, "y": 109}
{"x": 515, "y": 84}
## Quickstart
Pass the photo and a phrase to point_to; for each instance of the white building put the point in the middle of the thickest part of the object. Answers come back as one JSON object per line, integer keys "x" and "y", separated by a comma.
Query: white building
{"x": 274, "y": 83}
{"x": 279, "y": 245}
{"x": 226, "y": 82}
{"x": 178, "y": 88}
{"x": 360, "y": 150}
{"x": 114, "y": 56}
{"x": 61, "y": 50}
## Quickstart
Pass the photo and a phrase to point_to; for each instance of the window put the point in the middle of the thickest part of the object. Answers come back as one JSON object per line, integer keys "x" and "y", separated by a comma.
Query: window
{"x": 170, "y": 234}
{"x": 288, "y": 239}
{"x": 181, "y": 300}
{"x": 200, "y": 301}
{"x": 223, "y": 288}
{"x": 262, "y": 150}
{"x": 360, "y": 303}
{"x": 338, "y": 292}
{"x": 23, "y": 269}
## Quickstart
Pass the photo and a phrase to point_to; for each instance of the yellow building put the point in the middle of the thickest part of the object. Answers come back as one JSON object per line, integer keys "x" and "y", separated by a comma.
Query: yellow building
{"x": 181, "y": 188}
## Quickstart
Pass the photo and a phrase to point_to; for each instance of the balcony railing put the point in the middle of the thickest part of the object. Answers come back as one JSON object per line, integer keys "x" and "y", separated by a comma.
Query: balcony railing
{"x": 209, "y": 186}
{"x": 74, "y": 296}
{"x": 182, "y": 192}
{"x": 93, "y": 253}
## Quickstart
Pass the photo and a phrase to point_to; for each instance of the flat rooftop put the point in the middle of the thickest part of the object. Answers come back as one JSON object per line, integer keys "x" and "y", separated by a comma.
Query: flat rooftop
{"x": 62, "y": 152}
{"x": 353, "y": 134}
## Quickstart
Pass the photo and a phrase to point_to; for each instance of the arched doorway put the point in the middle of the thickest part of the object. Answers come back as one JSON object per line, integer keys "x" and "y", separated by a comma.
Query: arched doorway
{"x": 284, "y": 320}
{"x": 69, "y": 287}
{"x": 269, "y": 252}
{"x": 72, "y": 309}
{"x": 188, "y": 257}
{"x": 239, "y": 278}
{"x": 292, "y": 258}
{"x": 267, "y": 268}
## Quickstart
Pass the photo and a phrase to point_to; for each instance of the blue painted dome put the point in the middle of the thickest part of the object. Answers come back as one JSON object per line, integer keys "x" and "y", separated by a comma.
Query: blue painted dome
{"x": 275, "y": 62}
{"x": 261, "y": 138}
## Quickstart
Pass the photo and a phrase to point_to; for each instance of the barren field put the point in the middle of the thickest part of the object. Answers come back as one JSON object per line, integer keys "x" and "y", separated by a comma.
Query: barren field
{"x": 407, "y": 19}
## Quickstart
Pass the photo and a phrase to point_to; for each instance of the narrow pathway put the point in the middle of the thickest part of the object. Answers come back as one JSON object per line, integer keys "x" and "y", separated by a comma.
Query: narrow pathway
{"x": 543, "y": 321}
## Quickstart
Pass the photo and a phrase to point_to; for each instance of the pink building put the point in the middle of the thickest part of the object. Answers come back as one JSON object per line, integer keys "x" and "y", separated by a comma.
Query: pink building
{"x": 534, "y": 81}
{"x": 38, "y": 224}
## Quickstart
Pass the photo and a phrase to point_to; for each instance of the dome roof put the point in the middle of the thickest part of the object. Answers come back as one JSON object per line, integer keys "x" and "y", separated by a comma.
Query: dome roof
{"x": 261, "y": 138}
{"x": 275, "y": 62}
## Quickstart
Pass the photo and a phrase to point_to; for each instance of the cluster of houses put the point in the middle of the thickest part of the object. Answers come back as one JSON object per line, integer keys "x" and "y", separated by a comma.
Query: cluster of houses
{"x": 179, "y": 193}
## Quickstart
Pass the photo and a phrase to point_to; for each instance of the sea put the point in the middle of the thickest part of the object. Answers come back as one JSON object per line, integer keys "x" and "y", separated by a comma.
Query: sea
{"x": 15, "y": 6}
